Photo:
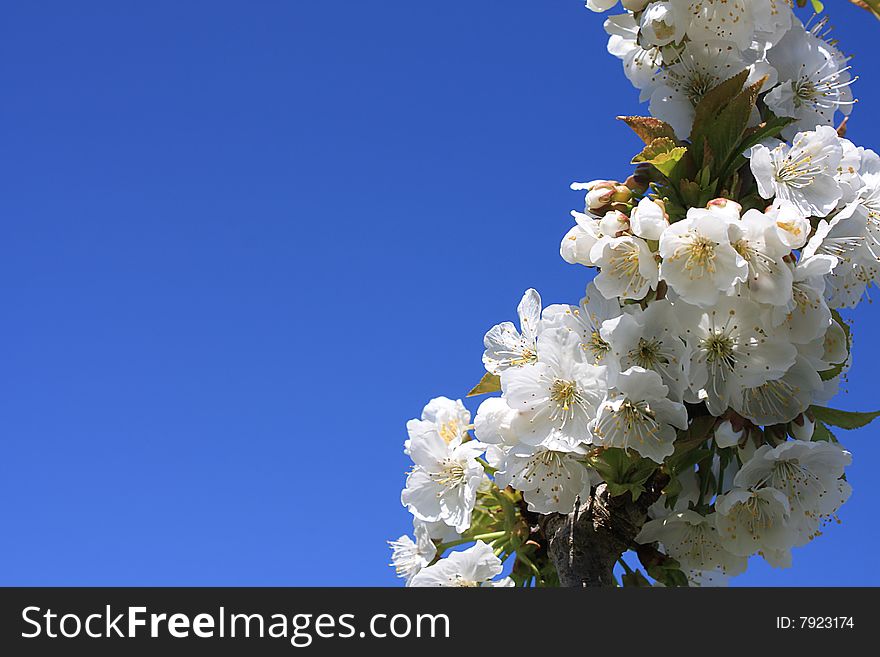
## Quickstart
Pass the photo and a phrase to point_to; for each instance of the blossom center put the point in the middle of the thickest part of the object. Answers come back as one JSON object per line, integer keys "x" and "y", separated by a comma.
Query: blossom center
{"x": 798, "y": 172}
{"x": 597, "y": 346}
{"x": 564, "y": 393}
{"x": 753, "y": 514}
{"x": 459, "y": 581}
{"x": 449, "y": 431}
{"x": 648, "y": 354}
{"x": 450, "y": 475}
{"x": 719, "y": 348}
{"x": 699, "y": 252}
{"x": 697, "y": 85}
{"x": 528, "y": 355}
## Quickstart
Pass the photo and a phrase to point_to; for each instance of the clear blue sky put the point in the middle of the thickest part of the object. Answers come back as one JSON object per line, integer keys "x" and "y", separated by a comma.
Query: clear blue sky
{"x": 243, "y": 242}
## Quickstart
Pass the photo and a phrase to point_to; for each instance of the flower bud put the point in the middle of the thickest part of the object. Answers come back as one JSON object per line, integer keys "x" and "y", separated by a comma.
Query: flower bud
{"x": 649, "y": 219}
{"x": 792, "y": 227}
{"x": 659, "y": 26}
{"x": 726, "y": 435}
{"x": 600, "y": 6}
{"x": 600, "y": 195}
{"x": 638, "y": 182}
{"x": 747, "y": 450}
{"x": 724, "y": 204}
{"x": 622, "y": 194}
{"x": 802, "y": 427}
{"x": 614, "y": 223}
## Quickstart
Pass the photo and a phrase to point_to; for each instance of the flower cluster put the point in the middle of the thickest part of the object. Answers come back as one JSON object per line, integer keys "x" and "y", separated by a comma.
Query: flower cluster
{"x": 675, "y": 51}
{"x": 696, "y": 369}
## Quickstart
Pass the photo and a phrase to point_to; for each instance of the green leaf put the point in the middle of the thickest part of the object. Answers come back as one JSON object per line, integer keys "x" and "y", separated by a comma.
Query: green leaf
{"x": 770, "y": 128}
{"x": 710, "y": 107}
{"x": 673, "y": 488}
{"x": 648, "y": 128}
{"x": 623, "y": 473}
{"x": 635, "y": 578}
{"x": 695, "y": 435}
{"x": 827, "y": 375}
{"x": 721, "y": 118}
{"x": 690, "y": 193}
{"x": 821, "y": 433}
{"x": 662, "y": 154}
{"x": 843, "y": 419}
{"x": 669, "y": 576}
{"x": 687, "y": 460}
{"x": 489, "y": 383}
{"x": 661, "y": 567}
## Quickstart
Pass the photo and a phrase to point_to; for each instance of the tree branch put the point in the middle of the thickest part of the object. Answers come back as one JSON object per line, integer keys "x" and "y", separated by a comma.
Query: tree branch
{"x": 586, "y": 544}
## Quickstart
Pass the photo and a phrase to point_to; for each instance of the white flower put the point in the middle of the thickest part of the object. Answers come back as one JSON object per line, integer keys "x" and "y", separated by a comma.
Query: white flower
{"x": 639, "y": 64}
{"x": 814, "y": 78}
{"x": 442, "y": 417}
{"x": 636, "y": 414}
{"x": 443, "y": 485}
{"x": 777, "y": 558}
{"x": 600, "y": 5}
{"x": 803, "y": 173}
{"x": 833, "y": 348}
{"x": 808, "y": 474}
{"x": 550, "y": 477}
{"x": 773, "y": 19}
{"x": 842, "y": 237}
{"x": 627, "y": 267}
{"x": 649, "y": 219}
{"x": 586, "y": 321}
{"x": 802, "y": 428}
{"x": 651, "y": 339}
{"x": 507, "y": 347}
{"x": 558, "y": 395}
{"x": 752, "y": 521}
{"x": 693, "y": 541}
{"x": 849, "y": 283}
{"x": 868, "y": 204}
{"x": 601, "y": 193}
{"x": 781, "y": 400}
{"x": 847, "y": 174}
{"x": 722, "y": 20}
{"x": 792, "y": 227}
{"x": 731, "y": 351}
{"x": 698, "y": 68}
{"x": 579, "y": 241}
{"x": 408, "y": 557}
{"x": 663, "y": 23}
{"x": 756, "y": 239}
{"x": 726, "y": 435}
{"x": 807, "y": 317}
{"x": 699, "y": 262}
{"x": 438, "y": 530}
{"x": 474, "y": 567}
{"x": 851, "y": 236}
{"x": 493, "y": 422}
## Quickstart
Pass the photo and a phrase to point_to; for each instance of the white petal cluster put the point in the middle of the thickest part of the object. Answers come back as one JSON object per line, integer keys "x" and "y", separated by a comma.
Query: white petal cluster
{"x": 724, "y": 316}
{"x": 474, "y": 567}
{"x": 442, "y": 486}
{"x": 675, "y": 51}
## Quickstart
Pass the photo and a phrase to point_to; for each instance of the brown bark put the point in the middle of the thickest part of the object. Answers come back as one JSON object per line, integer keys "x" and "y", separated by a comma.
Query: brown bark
{"x": 586, "y": 544}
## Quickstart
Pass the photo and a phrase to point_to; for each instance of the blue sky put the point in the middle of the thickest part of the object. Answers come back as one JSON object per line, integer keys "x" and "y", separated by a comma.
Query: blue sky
{"x": 243, "y": 243}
